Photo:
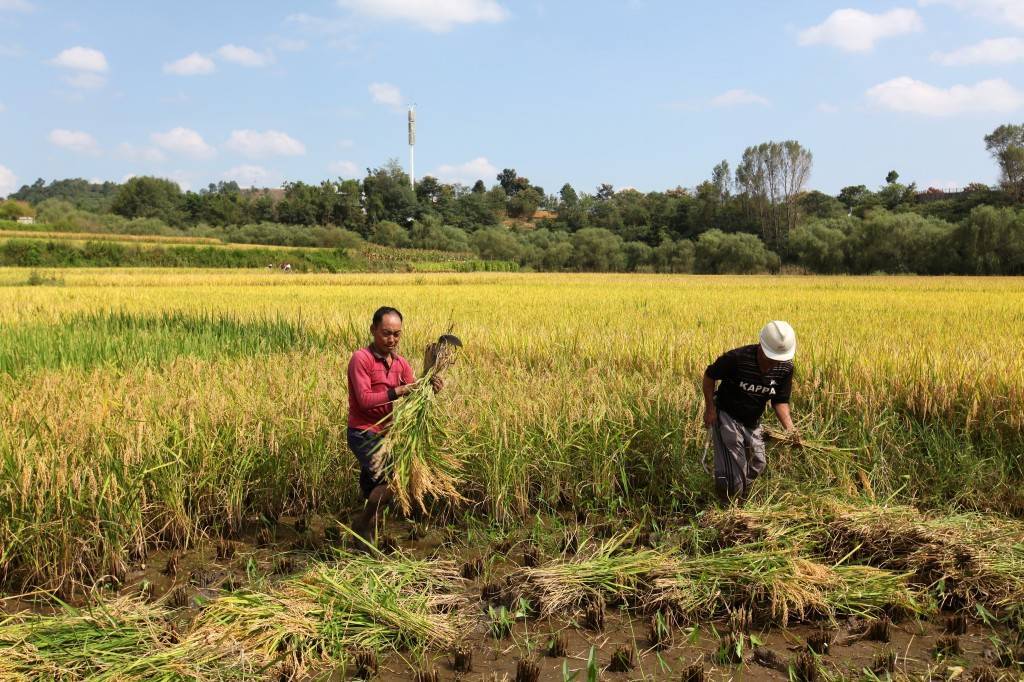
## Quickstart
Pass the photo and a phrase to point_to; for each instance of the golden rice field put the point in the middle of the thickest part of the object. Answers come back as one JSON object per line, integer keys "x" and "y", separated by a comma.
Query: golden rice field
{"x": 147, "y": 413}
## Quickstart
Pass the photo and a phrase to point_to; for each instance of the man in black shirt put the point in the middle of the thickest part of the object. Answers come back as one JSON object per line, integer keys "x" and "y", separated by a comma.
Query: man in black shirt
{"x": 748, "y": 378}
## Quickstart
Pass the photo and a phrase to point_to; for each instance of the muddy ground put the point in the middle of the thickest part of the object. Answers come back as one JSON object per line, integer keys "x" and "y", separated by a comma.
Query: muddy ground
{"x": 181, "y": 577}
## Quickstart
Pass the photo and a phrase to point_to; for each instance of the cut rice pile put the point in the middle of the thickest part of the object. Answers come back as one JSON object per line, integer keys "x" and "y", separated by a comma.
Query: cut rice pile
{"x": 413, "y": 456}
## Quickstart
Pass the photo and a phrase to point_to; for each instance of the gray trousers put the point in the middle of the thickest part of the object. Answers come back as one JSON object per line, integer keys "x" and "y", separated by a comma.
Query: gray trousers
{"x": 739, "y": 456}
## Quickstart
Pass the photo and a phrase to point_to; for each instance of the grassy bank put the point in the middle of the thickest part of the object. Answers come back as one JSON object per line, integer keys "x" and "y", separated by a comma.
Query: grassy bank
{"x": 64, "y": 250}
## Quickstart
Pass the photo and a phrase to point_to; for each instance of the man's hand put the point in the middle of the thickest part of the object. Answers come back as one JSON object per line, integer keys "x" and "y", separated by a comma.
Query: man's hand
{"x": 710, "y": 416}
{"x": 794, "y": 437}
{"x": 437, "y": 383}
{"x": 404, "y": 389}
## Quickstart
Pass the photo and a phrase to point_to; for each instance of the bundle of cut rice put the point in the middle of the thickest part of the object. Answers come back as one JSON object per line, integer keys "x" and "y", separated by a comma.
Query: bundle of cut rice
{"x": 411, "y": 456}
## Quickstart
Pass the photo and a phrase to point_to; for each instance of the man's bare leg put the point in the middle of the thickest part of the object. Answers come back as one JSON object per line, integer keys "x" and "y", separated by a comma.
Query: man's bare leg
{"x": 366, "y": 525}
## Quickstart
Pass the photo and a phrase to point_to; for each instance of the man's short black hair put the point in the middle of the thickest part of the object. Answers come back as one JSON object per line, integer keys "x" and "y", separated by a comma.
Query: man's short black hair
{"x": 378, "y": 316}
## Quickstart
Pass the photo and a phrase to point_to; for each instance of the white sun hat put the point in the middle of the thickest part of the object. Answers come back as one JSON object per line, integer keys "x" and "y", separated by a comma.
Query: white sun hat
{"x": 778, "y": 340}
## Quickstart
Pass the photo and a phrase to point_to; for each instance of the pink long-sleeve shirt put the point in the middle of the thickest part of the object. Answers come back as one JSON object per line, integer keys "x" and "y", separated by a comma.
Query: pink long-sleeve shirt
{"x": 372, "y": 380}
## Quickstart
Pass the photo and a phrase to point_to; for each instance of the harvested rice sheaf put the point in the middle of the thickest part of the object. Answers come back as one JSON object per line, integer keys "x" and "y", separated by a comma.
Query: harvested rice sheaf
{"x": 411, "y": 456}
{"x": 968, "y": 558}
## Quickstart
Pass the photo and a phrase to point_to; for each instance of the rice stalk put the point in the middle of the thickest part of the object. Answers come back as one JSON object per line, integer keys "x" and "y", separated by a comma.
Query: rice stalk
{"x": 411, "y": 456}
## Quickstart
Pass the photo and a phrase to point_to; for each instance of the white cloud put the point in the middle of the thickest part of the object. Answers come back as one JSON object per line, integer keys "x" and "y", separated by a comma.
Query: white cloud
{"x": 10, "y": 51}
{"x": 345, "y": 169}
{"x": 248, "y": 175}
{"x": 290, "y": 44}
{"x": 74, "y": 140}
{"x": 182, "y": 178}
{"x": 434, "y": 15}
{"x": 346, "y": 143}
{"x": 827, "y": 108}
{"x": 909, "y": 95}
{"x": 3, "y": 107}
{"x": 16, "y": 6}
{"x": 81, "y": 59}
{"x": 146, "y": 154}
{"x": 194, "y": 64}
{"x": 8, "y": 181}
{"x": 1001, "y": 11}
{"x": 184, "y": 141}
{"x": 244, "y": 56}
{"x": 992, "y": 51}
{"x": 853, "y": 30}
{"x": 86, "y": 80}
{"x": 254, "y": 143}
{"x": 738, "y": 98}
{"x": 466, "y": 173}
{"x": 386, "y": 93}
{"x": 320, "y": 25}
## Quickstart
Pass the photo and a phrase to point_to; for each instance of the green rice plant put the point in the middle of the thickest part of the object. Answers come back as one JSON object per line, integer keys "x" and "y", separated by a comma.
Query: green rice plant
{"x": 119, "y": 640}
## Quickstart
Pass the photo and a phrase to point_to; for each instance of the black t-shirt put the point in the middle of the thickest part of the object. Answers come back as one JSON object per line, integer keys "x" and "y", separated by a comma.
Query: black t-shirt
{"x": 744, "y": 390}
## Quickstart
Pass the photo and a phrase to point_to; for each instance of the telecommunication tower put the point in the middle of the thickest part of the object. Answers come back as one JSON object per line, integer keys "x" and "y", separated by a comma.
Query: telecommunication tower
{"x": 412, "y": 146}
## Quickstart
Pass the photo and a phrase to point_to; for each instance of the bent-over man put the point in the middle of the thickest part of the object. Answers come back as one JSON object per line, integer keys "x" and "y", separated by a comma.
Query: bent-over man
{"x": 377, "y": 377}
{"x": 747, "y": 379}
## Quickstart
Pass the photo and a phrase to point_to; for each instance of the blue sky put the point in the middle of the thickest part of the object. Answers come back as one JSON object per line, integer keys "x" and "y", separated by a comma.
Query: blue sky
{"x": 637, "y": 93}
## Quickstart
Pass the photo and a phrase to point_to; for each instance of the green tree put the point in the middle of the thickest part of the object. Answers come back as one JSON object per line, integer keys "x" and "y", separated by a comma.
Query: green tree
{"x": 605, "y": 192}
{"x": 598, "y": 250}
{"x": 892, "y": 177}
{"x": 853, "y": 196}
{"x": 901, "y": 243}
{"x": 1006, "y": 145}
{"x": 720, "y": 253}
{"x": 387, "y": 233}
{"x": 820, "y": 246}
{"x": 430, "y": 233}
{"x": 496, "y": 243}
{"x": 674, "y": 256}
{"x": 721, "y": 179}
{"x": 388, "y": 194}
{"x": 815, "y": 204}
{"x": 639, "y": 256}
{"x": 428, "y": 190}
{"x": 12, "y": 209}
{"x": 299, "y": 206}
{"x": 524, "y": 204}
{"x": 771, "y": 178}
{"x": 149, "y": 197}
{"x": 991, "y": 241}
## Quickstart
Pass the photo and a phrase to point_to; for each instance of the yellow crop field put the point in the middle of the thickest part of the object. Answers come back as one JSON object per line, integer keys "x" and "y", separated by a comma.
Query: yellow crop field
{"x": 148, "y": 411}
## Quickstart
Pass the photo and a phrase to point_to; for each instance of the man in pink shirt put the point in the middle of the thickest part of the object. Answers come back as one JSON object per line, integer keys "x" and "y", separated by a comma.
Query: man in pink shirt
{"x": 377, "y": 377}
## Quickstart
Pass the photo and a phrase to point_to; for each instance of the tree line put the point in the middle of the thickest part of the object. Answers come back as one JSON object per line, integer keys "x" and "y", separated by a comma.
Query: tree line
{"x": 758, "y": 217}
